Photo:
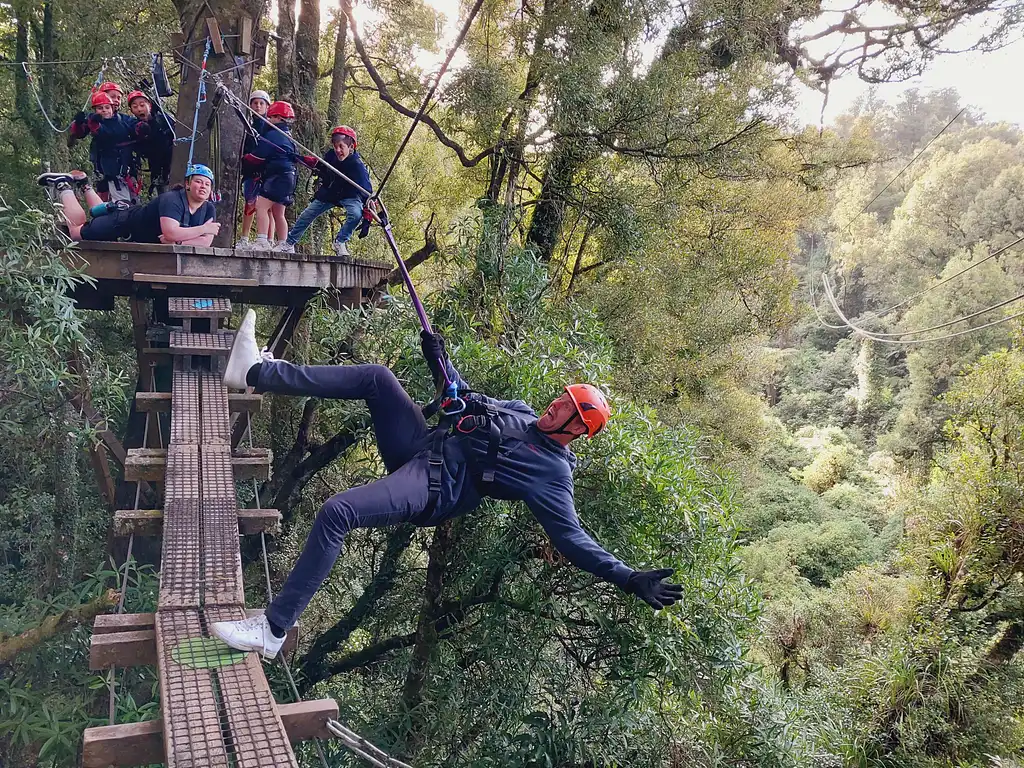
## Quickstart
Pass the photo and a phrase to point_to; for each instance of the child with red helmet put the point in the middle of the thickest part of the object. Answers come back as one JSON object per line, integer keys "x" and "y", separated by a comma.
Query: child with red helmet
{"x": 155, "y": 139}
{"x": 275, "y": 157}
{"x": 113, "y": 139}
{"x": 113, "y": 90}
{"x": 259, "y": 102}
{"x": 334, "y": 191}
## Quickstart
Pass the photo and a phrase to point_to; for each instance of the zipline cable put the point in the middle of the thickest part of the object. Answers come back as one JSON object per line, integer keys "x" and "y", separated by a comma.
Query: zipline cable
{"x": 200, "y": 99}
{"x": 35, "y": 92}
{"x": 830, "y": 295}
{"x": 430, "y": 93}
{"x": 902, "y": 170}
{"x": 941, "y": 283}
{"x": 870, "y": 202}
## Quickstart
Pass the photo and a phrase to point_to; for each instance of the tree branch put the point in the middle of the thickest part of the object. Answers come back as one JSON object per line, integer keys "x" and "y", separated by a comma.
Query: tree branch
{"x": 386, "y": 97}
{"x": 54, "y": 625}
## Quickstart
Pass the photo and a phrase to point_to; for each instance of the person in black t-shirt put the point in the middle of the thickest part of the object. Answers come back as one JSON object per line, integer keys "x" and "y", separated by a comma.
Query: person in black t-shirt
{"x": 179, "y": 217}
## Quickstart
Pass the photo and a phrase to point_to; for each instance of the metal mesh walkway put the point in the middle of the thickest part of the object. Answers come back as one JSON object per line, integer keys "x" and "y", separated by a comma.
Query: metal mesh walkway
{"x": 217, "y": 706}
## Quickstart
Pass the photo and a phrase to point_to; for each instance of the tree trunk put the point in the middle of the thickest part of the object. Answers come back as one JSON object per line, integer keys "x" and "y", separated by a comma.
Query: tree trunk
{"x": 286, "y": 51}
{"x": 307, "y": 65}
{"x": 22, "y": 96}
{"x": 426, "y": 633}
{"x": 227, "y": 129}
{"x": 1007, "y": 646}
{"x": 549, "y": 214}
{"x": 339, "y": 73}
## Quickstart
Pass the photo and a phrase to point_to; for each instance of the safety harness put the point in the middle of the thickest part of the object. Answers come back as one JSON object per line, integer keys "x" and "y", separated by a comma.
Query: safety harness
{"x": 477, "y": 414}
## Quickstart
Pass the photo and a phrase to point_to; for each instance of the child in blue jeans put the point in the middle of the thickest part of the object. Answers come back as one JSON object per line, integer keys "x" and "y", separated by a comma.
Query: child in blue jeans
{"x": 335, "y": 192}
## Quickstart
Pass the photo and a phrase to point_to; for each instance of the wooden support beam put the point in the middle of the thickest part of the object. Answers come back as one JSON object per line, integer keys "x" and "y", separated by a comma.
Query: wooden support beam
{"x": 151, "y": 402}
{"x": 158, "y": 281}
{"x": 134, "y": 744}
{"x": 123, "y": 649}
{"x": 304, "y": 720}
{"x": 129, "y": 640}
{"x": 150, "y": 463}
{"x": 106, "y": 623}
{"x": 252, "y": 463}
{"x": 128, "y": 744}
{"x": 149, "y": 522}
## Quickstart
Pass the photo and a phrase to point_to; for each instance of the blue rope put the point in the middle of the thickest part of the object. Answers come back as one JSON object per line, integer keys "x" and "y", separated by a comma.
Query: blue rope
{"x": 200, "y": 99}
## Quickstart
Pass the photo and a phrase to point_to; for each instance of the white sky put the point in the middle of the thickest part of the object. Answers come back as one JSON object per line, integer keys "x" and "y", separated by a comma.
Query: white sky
{"x": 987, "y": 81}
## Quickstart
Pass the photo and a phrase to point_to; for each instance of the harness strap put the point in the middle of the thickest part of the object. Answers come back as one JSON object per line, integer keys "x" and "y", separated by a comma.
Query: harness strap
{"x": 434, "y": 468}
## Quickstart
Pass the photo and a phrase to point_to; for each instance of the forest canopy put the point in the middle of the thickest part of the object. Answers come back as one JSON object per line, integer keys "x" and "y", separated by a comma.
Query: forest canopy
{"x": 602, "y": 192}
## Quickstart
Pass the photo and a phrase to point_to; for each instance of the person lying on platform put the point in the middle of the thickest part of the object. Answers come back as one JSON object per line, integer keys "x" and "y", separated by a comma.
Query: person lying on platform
{"x": 155, "y": 139}
{"x": 334, "y": 191}
{"x": 178, "y": 217}
{"x": 275, "y": 157}
{"x": 495, "y": 448}
{"x": 113, "y": 137}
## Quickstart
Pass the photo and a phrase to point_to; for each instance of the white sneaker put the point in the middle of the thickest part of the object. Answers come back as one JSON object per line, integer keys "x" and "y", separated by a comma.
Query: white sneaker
{"x": 245, "y": 353}
{"x": 283, "y": 246}
{"x": 261, "y": 243}
{"x": 340, "y": 249}
{"x": 249, "y": 635}
{"x": 244, "y": 244}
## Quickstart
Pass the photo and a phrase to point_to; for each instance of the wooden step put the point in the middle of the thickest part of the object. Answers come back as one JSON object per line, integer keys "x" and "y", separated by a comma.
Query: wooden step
{"x": 181, "y": 343}
{"x": 152, "y": 402}
{"x": 180, "y": 306}
{"x": 150, "y": 463}
{"x": 129, "y": 640}
{"x": 150, "y": 522}
{"x": 131, "y": 744}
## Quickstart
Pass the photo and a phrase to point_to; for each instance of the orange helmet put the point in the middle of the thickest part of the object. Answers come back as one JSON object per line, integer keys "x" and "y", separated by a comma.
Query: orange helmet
{"x": 109, "y": 86}
{"x": 344, "y": 130}
{"x": 281, "y": 109}
{"x": 100, "y": 99}
{"x": 591, "y": 405}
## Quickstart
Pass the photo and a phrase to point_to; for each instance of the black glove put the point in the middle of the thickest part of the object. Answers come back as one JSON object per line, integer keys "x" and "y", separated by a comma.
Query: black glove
{"x": 364, "y": 228}
{"x": 432, "y": 346}
{"x": 648, "y": 586}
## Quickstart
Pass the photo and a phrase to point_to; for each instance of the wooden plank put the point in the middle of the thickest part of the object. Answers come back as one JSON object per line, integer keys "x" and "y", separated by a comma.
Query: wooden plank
{"x": 252, "y": 464}
{"x": 122, "y": 649}
{"x": 128, "y": 744}
{"x": 216, "y": 41}
{"x": 106, "y": 623}
{"x": 134, "y": 744}
{"x": 245, "y": 35}
{"x": 305, "y": 720}
{"x": 151, "y": 402}
{"x": 150, "y": 463}
{"x": 142, "y": 277}
{"x": 149, "y": 522}
{"x": 141, "y": 522}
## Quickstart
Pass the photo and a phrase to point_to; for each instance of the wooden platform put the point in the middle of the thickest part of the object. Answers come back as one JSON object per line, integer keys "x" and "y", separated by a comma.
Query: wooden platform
{"x": 143, "y": 270}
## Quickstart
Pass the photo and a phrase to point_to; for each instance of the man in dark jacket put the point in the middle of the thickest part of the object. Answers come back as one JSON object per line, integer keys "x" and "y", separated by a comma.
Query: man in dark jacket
{"x": 496, "y": 448}
{"x": 334, "y": 191}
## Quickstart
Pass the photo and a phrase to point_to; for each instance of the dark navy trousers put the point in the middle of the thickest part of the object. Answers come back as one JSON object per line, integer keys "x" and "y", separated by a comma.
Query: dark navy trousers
{"x": 397, "y": 498}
